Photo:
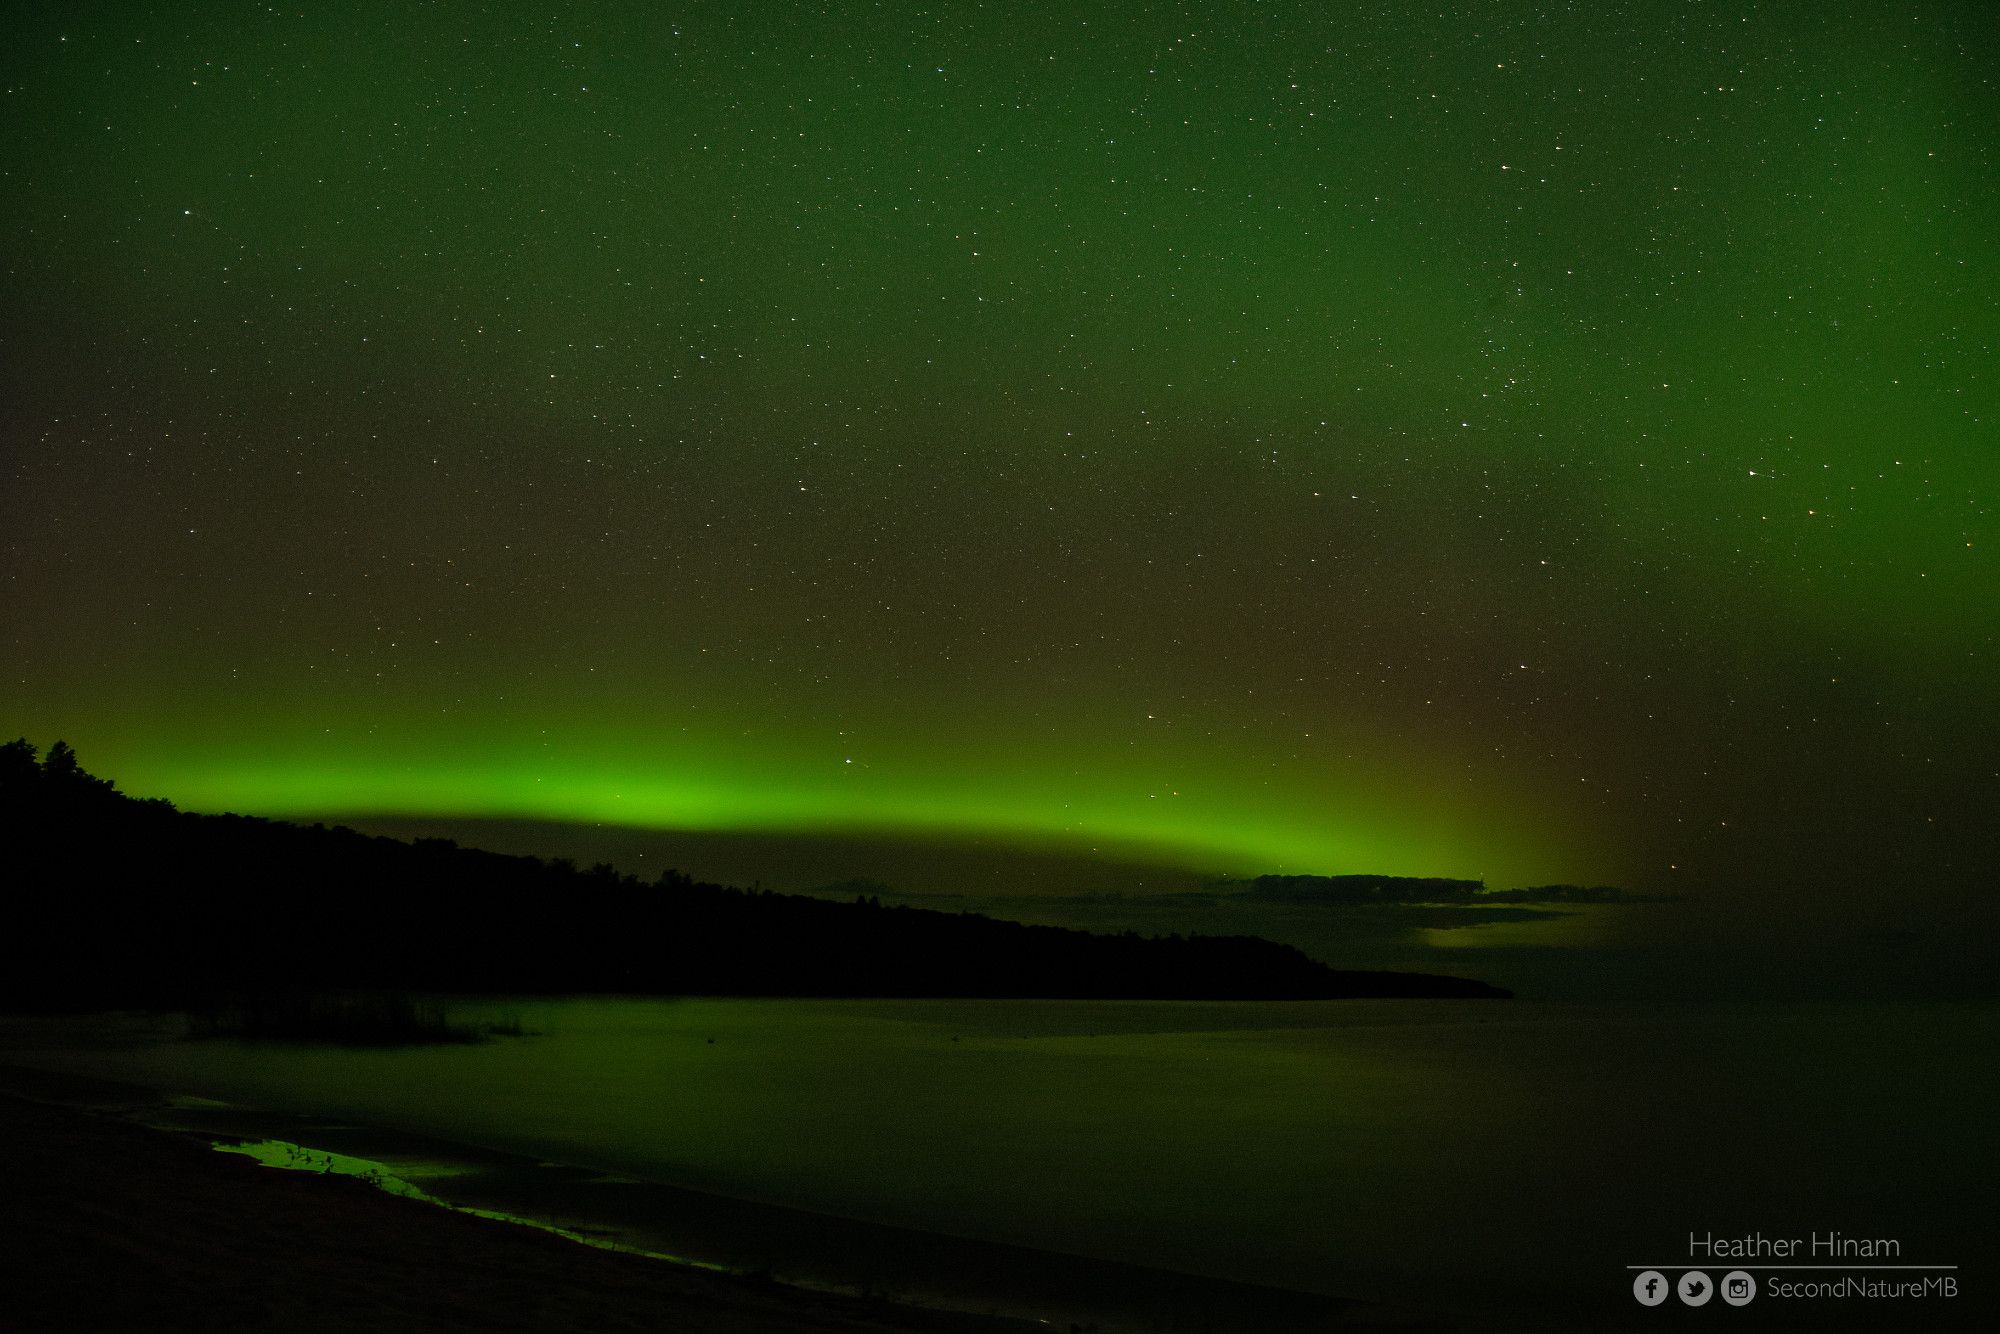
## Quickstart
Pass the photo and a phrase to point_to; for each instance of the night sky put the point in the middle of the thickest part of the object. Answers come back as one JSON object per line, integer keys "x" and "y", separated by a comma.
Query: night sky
{"x": 1533, "y": 441}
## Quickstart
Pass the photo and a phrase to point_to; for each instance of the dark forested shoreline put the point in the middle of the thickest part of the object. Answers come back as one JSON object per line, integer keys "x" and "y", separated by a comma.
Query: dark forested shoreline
{"x": 123, "y": 902}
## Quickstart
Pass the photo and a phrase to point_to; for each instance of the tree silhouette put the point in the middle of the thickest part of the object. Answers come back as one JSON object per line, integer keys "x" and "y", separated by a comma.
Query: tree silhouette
{"x": 61, "y": 762}
{"x": 159, "y": 907}
{"x": 17, "y": 765}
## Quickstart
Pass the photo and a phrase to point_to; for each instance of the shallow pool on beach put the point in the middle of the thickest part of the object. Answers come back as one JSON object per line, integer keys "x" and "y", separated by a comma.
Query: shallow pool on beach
{"x": 1503, "y": 1159}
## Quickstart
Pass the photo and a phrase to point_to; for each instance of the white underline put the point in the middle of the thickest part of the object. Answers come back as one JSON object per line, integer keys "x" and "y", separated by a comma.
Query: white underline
{"x": 1721, "y": 1264}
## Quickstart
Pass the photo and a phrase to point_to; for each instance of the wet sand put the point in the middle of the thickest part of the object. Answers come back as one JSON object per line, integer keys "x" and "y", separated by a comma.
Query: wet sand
{"x": 106, "y": 1225}
{"x": 112, "y": 1224}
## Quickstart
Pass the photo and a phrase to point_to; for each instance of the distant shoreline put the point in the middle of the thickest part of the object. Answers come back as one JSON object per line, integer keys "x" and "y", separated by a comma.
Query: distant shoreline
{"x": 265, "y": 912}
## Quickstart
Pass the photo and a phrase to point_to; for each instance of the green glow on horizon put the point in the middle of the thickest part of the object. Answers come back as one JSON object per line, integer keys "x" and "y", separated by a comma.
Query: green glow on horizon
{"x": 1209, "y": 828}
{"x": 1559, "y": 448}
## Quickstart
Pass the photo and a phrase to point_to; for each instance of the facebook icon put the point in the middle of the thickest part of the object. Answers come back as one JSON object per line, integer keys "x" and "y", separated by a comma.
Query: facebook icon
{"x": 1650, "y": 1288}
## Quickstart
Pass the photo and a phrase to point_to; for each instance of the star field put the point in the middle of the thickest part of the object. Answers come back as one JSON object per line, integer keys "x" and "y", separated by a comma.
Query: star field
{"x": 1538, "y": 441}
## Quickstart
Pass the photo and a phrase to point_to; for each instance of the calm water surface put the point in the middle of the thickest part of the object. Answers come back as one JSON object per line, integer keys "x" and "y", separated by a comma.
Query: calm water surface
{"x": 1486, "y": 1157}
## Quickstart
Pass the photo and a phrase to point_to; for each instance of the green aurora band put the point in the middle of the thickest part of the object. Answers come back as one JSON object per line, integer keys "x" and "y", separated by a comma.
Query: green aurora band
{"x": 1532, "y": 444}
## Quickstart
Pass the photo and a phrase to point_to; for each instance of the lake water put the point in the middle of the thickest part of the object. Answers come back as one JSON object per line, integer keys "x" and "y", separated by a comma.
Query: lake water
{"x": 1501, "y": 1160}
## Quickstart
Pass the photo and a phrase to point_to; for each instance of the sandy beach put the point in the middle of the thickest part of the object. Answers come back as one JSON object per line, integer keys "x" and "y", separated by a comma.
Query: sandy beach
{"x": 119, "y": 1214}
{"x": 114, "y": 1226}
